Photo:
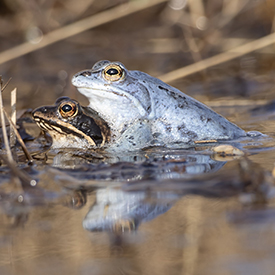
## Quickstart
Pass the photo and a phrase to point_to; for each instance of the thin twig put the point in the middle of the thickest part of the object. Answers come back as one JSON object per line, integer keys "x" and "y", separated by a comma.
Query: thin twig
{"x": 7, "y": 83}
{"x": 13, "y": 126}
{"x": 13, "y": 118}
{"x": 24, "y": 177}
{"x": 4, "y": 130}
{"x": 219, "y": 58}
{"x": 78, "y": 27}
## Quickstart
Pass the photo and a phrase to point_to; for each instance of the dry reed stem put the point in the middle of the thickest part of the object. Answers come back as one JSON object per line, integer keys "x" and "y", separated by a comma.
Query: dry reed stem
{"x": 219, "y": 58}
{"x": 78, "y": 27}
{"x": 6, "y": 84}
{"x": 235, "y": 102}
{"x": 4, "y": 130}
{"x": 230, "y": 10}
{"x": 13, "y": 126}
{"x": 24, "y": 177}
{"x": 13, "y": 118}
{"x": 196, "y": 10}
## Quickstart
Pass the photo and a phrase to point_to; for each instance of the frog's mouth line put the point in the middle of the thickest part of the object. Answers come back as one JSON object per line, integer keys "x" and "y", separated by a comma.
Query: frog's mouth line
{"x": 88, "y": 93}
{"x": 65, "y": 129}
{"x": 100, "y": 90}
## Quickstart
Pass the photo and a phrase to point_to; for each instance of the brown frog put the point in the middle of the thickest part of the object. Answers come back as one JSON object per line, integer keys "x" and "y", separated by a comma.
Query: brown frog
{"x": 71, "y": 125}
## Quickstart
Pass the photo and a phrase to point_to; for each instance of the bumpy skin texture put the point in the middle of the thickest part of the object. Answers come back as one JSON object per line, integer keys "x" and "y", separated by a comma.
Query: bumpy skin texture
{"x": 147, "y": 111}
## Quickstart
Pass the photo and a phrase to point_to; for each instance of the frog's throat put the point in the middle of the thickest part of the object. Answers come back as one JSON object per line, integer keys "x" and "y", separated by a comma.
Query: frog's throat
{"x": 90, "y": 92}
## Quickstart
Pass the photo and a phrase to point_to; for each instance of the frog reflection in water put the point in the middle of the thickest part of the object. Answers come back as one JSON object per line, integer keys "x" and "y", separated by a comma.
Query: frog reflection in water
{"x": 71, "y": 125}
{"x": 119, "y": 211}
{"x": 143, "y": 111}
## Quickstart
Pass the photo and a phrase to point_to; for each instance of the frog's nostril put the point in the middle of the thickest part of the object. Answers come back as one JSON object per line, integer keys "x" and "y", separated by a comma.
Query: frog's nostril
{"x": 86, "y": 73}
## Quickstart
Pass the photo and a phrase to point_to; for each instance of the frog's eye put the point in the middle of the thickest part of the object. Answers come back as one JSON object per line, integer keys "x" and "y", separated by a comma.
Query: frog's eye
{"x": 113, "y": 73}
{"x": 68, "y": 109}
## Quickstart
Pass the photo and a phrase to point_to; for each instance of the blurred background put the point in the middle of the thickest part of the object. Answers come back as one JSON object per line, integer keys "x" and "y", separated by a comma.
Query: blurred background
{"x": 159, "y": 38}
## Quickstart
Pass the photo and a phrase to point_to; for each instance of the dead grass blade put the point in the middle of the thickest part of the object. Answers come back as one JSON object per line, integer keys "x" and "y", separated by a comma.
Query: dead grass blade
{"x": 230, "y": 10}
{"x": 6, "y": 84}
{"x": 24, "y": 177}
{"x": 4, "y": 130}
{"x": 13, "y": 118}
{"x": 78, "y": 27}
{"x": 13, "y": 126}
{"x": 219, "y": 58}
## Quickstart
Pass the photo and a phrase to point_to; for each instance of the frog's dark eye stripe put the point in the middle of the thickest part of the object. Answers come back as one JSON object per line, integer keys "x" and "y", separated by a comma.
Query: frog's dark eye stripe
{"x": 113, "y": 72}
{"x": 68, "y": 109}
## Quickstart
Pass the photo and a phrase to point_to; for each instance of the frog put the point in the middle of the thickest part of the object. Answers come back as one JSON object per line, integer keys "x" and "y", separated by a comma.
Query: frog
{"x": 148, "y": 112}
{"x": 71, "y": 125}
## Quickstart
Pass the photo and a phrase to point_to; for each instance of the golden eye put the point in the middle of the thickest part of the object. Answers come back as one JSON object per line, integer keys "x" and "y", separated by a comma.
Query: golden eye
{"x": 68, "y": 109}
{"x": 113, "y": 72}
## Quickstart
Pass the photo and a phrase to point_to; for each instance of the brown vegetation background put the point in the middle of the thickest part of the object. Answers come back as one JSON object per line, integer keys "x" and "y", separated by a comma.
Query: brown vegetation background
{"x": 43, "y": 43}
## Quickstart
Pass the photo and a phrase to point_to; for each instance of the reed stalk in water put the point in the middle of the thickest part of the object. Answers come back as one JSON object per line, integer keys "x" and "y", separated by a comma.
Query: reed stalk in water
{"x": 4, "y": 129}
{"x": 13, "y": 118}
{"x": 17, "y": 135}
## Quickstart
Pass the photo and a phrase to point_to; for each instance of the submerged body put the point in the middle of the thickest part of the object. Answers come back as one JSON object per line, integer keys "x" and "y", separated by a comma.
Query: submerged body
{"x": 145, "y": 111}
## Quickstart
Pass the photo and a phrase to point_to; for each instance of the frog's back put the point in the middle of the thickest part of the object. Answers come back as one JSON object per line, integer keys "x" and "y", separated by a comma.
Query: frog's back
{"x": 176, "y": 117}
